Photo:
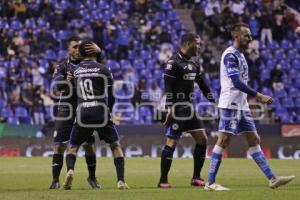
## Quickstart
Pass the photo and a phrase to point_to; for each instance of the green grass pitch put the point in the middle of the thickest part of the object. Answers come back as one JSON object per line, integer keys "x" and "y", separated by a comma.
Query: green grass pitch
{"x": 29, "y": 179}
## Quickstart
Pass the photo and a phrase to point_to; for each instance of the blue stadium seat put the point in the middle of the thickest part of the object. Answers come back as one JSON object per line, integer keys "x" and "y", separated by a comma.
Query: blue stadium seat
{"x": 296, "y": 63}
{"x": 131, "y": 54}
{"x": 285, "y": 44}
{"x": 292, "y": 54}
{"x": 286, "y": 119}
{"x": 171, "y": 15}
{"x": 273, "y": 45}
{"x": 138, "y": 64}
{"x": 25, "y": 120}
{"x": 267, "y": 91}
{"x": 280, "y": 93}
{"x": 151, "y": 64}
{"x": 297, "y": 83}
{"x": 294, "y": 92}
{"x": 2, "y": 103}
{"x": 145, "y": 55}
{"x": 6, "y": 112}
{"x": 21, "y": 112}
{"x": 279, "y": 54}
{"x": 287, "y": 103}
{"x": 16, "y": 25}
{"x": 284, "y": 64}
{"x": 297, "y": 44}
{"x": 125, "y": 64}
{"x": 265, "y": 74}
{"x": 12, "y": 120}
{"x": 113, "y": 65}
{"x": 270, "y": 64}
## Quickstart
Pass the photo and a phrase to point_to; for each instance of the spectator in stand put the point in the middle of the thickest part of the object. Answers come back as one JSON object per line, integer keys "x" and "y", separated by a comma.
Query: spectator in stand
{"x": 28, "y": 96}
{"x": 198, "y": 17}
{"x": 123, "y": 38}
{"x": 277, "y": 78}
{"x": 279, "y": 29}
{"x": 237, "y": 7}
{"x": 254, "y": 26}
{"x": 38, "y": 107}
{"x": 155, "y": 97}
{"x": 254, "y": 63}
{"x": 210, "y": 5}
{"x": 266, "y": 25}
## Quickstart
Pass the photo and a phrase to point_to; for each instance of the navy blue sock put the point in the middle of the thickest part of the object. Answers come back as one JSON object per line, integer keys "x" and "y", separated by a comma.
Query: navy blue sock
{"x": 70, "y": 160}
{"x": 119, "y": 164}
{"x": 57, "y": 164}
{"x": 91, "y": 164}
{"x": 199, "y": 158}
{"x": 165, "y": 164}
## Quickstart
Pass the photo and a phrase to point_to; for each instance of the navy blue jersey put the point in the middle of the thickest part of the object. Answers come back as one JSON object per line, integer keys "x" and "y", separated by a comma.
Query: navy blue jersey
{"x": 93, "y": 83}
{"x": 180, "y": 74}
{"x": 59, "y": 76}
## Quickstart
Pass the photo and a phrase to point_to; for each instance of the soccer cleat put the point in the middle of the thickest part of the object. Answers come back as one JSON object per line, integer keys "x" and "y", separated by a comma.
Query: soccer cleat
{"x": 54, "y": 185}
{"x": 122, "y": 185}
{"x": 164, "y": 185}
{"x": 198, "y": 182}
{"x": 279, "y": 181}
{"x": 215, "y": 187}
{"x": 68, "y": 180}
{"x": 93, "y": 183}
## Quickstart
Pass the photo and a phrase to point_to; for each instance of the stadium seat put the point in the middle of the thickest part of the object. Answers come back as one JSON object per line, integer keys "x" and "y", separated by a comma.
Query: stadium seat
{"x": 267, "y": 91}
{"x": 296, "y": 63}
{"x": 273, "y": 45}
{"x": 6, "y": 112}
{"x": 280, "y": 93}
{"x": 285, "y": 44}
{"x": 265, "y": 74}
{"x": 286, "y": 119}
{"x": 292, "y": 54}
{"x": 279, "y": 54}
{"x": 21, "y": 112}
{"x": 297, "y": 44}
{"x": 12, "y": 120}
{"x": 293, "y": 92}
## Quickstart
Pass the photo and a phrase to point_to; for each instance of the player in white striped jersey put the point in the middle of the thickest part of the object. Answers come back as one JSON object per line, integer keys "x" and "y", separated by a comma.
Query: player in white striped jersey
{"x": 235, "y": 116}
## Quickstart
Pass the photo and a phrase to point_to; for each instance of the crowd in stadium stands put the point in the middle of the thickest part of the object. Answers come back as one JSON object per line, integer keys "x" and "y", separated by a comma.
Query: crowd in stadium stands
{"x": 273, "y": 56}
{"x": 138, "y": 37}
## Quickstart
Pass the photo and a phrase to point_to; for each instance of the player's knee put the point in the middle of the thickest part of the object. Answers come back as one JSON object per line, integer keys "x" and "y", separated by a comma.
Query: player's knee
{"x": 88, "y": 148}
{"x": 60, "y": 148}
{"x": 223, "y": 140}
{"x": 171, "y": 142}
{"x": 115, "y": 146}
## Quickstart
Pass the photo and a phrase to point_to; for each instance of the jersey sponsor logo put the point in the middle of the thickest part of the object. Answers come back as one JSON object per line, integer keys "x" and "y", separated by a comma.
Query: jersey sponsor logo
{"x": 175, "y": 126}
{"x": 189, "y": 76}
{"x": 169, "y": 66}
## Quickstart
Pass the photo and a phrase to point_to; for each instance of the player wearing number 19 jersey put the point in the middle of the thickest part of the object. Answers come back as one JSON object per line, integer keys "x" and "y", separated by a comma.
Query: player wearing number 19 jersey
{"x": 94, "y": 84}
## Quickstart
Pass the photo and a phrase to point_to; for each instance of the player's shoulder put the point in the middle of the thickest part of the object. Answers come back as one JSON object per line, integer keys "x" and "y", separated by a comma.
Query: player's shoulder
{"x": 230, "y": 53}
{"x": 62, "y": 62}
{"x": 172, "y": 62}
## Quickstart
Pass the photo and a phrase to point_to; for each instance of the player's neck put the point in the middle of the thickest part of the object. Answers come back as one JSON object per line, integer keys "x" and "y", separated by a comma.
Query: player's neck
{"x": 90, "y": 58}
{"x": 184, "y": 54}
{"x": 237, "y": 46}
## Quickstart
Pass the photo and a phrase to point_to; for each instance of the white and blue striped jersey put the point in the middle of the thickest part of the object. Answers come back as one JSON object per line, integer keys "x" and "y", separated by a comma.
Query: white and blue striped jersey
{"x": 232, "y": 63}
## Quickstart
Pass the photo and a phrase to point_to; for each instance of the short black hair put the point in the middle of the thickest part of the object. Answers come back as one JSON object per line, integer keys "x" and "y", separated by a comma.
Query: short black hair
{"x": 82, "y": 51}
{"x": 73, "y": 38}
{"x": 188, "y": 38}
{"x": 237, "y": 28}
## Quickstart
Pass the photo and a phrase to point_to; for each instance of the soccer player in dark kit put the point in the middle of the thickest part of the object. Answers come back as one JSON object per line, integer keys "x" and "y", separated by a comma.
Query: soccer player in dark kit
{"x": 180, "y": 74}
{"x": 95, "y": 100}
{"x": 65, "y": 114}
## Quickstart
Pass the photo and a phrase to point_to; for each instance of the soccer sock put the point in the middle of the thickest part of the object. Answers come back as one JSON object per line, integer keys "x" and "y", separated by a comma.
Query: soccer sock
{"x": 260, "y": 159}
{"x": 70, "y": 160}
{"x": 216, "y": 159}
{"x": 199, "y": 158}
{"x": 119, "y": 163}
{"x": 57, "y": 163}
{"x": 165, "y": 164}
{"x": 91, "y": 164}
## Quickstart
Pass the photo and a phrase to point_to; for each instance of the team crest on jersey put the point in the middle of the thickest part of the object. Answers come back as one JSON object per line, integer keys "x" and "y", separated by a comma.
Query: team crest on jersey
{"x": 169, "y": 66}
{"x": 175, "y": 126}
{"x": 233, "y": 124}
{"x": 55, "y": 133}
{"x": 190, "y": 67}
